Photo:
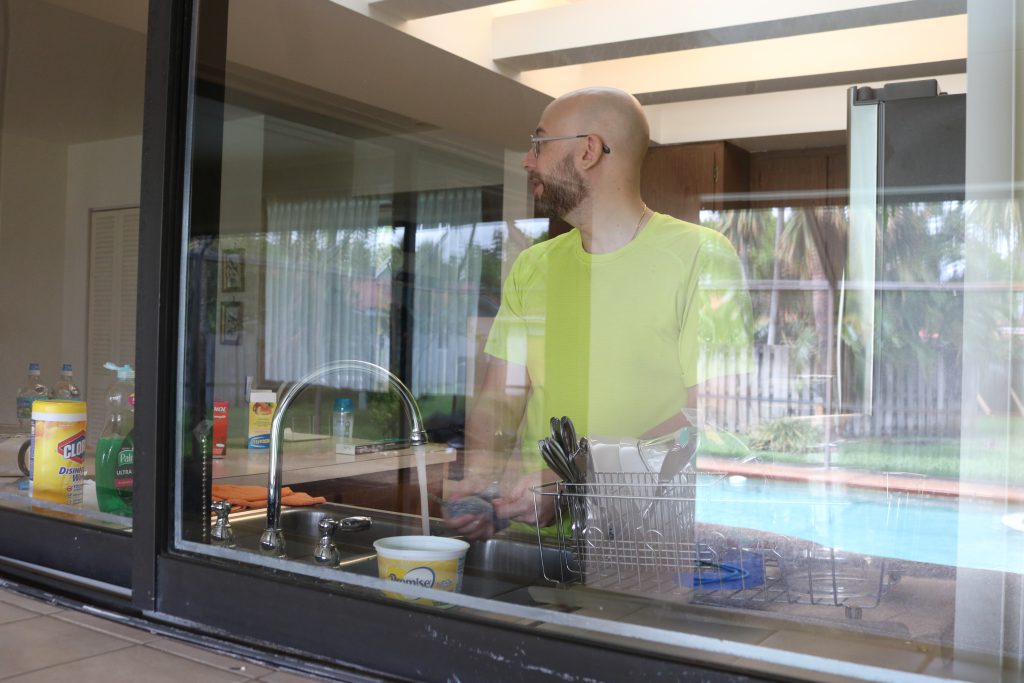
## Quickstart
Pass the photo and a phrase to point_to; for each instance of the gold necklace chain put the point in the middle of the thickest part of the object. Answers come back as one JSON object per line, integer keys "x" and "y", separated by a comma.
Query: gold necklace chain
{"x": 639, "y": 223}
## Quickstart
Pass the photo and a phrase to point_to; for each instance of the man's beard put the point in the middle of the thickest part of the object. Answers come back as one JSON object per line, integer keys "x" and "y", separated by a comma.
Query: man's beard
{"x": 564, "y": 189}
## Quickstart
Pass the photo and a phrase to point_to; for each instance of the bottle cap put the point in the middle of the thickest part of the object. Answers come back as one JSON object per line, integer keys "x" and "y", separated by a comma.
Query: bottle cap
{"x": 343, "y": 405}
{"x": 66, "y": 370}
{"x": 33, "y": 368}
{"x": 123, "y": 371}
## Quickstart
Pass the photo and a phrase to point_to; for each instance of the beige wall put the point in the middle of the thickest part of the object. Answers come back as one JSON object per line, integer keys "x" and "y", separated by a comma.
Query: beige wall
{"x": 101, "y": 175}
{"x": 32, "y": 179}
{"x": 241, "y": 223}
{"x": 48, "y": 192}
{"x": 71, "y": 115}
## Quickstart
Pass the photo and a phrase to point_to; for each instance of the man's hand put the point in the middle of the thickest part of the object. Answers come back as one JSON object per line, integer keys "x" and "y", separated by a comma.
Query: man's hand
{"x": 468, "y": 515}
{"x": 472, "y": 527}
{"x": 475, "y": 521}
{"x": 520, "y": 504}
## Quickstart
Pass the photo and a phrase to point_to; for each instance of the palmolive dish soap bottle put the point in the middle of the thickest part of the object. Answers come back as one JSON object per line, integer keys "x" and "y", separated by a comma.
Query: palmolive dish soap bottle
{"x": 110, "y": 472}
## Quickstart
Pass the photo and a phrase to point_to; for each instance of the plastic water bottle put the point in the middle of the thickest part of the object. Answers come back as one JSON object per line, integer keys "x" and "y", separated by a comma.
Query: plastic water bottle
{"x": 342, "y": 419}
{"x": 34, "y": 390}
{"x": 65, "y": 388}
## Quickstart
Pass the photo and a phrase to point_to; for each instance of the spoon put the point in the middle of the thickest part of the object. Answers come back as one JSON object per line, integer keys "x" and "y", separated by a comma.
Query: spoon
{"x": 677, "y": 459}
{"x": 569, "y": 436}
{"x": 552, "y": 455}
{"x": 565, "y": 467}
{"x": 581, "y": 460}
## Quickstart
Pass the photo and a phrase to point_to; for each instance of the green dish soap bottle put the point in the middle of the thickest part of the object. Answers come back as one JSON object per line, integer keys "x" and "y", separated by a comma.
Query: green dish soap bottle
{"x": 124, "y": 472}
{"x": 115, "y": 436}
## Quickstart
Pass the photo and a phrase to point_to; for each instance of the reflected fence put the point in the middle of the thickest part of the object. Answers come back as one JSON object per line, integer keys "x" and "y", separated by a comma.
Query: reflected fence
{"x": 909, "y": 399}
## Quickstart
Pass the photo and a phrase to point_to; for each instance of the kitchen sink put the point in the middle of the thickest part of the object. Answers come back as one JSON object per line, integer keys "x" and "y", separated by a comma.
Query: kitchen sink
{"x": 497, "y": 566}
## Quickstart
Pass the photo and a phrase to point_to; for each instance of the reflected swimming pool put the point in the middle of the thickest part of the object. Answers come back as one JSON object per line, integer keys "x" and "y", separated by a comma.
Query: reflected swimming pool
{"x": 910, "y": 526}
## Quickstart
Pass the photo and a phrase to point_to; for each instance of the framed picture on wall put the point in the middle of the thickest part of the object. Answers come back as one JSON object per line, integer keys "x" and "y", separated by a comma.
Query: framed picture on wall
{"x": 231, "y": 316}
{"x": 232, "y": 270}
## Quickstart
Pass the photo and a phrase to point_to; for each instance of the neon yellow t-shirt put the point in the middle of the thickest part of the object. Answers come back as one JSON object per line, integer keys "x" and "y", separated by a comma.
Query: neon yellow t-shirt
{"x": 614, "y": 340}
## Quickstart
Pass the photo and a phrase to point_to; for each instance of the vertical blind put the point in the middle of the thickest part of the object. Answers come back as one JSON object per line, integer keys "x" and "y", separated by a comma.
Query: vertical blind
{"x": 329, "y": 285}
{"x": 113, "y": 284}
{"x": 448, "y": 264}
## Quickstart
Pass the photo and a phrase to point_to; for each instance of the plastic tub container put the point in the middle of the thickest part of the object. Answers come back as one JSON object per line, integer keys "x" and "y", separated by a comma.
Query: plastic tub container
{"x": 427, "y": 561}
{"x": 57, "y": 460}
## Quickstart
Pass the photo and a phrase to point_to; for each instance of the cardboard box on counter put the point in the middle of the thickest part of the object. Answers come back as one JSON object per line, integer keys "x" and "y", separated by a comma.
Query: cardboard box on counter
{"x": 261, "y": 414}
{"x": 220, "y": 428}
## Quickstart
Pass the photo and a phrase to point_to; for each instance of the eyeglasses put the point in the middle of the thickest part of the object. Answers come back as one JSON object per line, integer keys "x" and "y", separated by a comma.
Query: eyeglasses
{"x": 536, "y": 140}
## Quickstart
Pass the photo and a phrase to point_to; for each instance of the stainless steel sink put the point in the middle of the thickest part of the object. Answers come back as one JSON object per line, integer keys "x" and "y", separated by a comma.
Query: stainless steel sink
{"x": 499, "y": 565}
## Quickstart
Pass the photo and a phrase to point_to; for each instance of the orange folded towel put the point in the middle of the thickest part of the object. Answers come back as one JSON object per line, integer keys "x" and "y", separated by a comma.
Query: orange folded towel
{"x": 256, "y": 496}
{"x": 300, "y": 498}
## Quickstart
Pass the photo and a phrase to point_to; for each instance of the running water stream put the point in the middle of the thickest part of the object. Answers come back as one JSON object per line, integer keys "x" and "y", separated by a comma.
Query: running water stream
{"x": 421, "y": 476}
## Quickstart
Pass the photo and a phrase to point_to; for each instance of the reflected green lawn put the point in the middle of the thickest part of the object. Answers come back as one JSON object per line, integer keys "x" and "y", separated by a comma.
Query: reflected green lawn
{"x": 984, "y": 445}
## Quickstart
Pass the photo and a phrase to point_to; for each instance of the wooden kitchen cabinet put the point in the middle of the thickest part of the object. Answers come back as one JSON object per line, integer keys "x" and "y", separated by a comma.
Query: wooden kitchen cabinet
{"x": 395, "y": 490}
{"x": 680, "y": 180}
{"x": 388, "y": 482}
{"x": 803, "y": 177}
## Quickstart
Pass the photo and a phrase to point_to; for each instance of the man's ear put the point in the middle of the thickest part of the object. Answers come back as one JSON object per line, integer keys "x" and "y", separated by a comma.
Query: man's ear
{"x": 592, "y": 152}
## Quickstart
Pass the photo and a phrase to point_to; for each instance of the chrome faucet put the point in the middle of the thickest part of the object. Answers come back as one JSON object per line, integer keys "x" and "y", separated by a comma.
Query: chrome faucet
{"x": 272, "y": 541}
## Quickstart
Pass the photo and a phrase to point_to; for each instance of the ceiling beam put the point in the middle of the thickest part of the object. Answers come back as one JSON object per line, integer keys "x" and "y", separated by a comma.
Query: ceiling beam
{"x": 887, "y": 74}
{"x": 598, "y": 30}
{"x": 790, "y": 62}
{"x": 763, "y": 115}
{"x": 417, "y": 9}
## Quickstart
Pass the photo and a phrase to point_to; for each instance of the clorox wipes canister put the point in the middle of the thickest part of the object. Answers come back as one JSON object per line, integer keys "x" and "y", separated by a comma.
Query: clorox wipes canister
{"x": 58, "y": 451}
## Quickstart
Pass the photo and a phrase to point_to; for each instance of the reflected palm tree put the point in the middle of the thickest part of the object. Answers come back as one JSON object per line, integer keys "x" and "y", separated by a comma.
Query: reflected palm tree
{"x": 994, "y": 233}
{"x": 745, "y": 228}
{"x": 813, "y": 244}
{"x": 808, "y": 243}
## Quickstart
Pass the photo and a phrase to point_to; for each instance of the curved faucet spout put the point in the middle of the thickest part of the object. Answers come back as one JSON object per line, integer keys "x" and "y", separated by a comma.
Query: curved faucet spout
{"x": 271, "y": 541}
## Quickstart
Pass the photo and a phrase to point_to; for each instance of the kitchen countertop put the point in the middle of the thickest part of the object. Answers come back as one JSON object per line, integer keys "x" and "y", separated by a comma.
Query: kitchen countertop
{"x": 307, "y": 461}
{"x": 303, "y": 461}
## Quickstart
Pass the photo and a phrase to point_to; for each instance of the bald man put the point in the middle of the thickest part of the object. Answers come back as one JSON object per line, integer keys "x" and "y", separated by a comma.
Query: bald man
{"x": 605, "y": 323}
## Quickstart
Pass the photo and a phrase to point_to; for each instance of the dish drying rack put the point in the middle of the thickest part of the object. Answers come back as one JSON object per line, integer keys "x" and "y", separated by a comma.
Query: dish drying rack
{"x": 636, "y": 532}
{"x": 627, "y": 532}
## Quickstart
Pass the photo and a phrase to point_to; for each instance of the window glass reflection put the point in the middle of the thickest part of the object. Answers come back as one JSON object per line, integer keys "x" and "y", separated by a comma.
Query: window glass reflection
{"x": 792, "y": 412}
{"x": 71, "y": 94}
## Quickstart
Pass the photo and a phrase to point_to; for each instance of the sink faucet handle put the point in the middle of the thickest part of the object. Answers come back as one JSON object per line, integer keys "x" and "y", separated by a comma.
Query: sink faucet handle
{"x": 354, "y": 523}
{"x": 326, "y": 552}
{"x": 222, "y": 531}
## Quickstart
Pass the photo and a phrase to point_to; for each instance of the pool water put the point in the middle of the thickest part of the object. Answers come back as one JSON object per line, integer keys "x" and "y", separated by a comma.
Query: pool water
{"x": 909, "y": 526}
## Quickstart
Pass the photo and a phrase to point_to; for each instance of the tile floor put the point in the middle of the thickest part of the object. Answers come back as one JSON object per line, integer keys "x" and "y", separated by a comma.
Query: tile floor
{"x": 43, "y": 643}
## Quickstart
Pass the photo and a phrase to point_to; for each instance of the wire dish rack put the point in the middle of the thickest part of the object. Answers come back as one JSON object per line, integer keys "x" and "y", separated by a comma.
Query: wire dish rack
{"x": 627, "y": 532}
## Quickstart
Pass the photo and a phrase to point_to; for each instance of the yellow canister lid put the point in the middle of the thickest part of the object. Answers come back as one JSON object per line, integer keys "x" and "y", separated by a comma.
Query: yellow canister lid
{"x": 67, "y": 410}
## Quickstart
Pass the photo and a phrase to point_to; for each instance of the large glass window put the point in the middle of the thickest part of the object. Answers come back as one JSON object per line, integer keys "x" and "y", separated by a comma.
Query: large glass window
{"x": 71, "y": 84}
{"x": 722, "y": 362}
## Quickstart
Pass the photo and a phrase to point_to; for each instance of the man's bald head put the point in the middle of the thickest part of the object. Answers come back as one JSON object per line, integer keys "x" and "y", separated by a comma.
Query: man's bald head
{"x": 612, "y": 114}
